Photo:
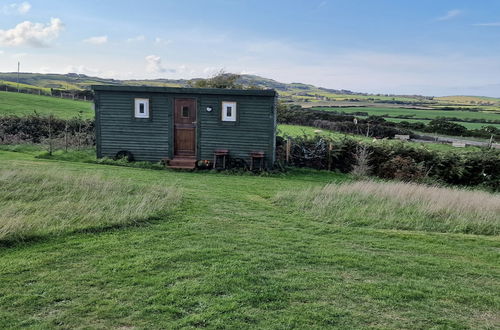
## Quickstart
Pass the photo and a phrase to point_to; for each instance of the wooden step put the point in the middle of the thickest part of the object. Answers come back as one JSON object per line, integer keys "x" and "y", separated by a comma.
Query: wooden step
{"x": 182, "y": 162}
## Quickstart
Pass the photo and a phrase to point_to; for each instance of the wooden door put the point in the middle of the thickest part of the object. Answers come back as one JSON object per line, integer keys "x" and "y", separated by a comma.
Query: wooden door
{"x": 185, "y": 127}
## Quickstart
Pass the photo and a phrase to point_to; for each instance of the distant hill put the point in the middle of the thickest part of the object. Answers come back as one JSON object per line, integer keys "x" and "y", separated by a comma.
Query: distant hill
{"x": 300, "y": 93}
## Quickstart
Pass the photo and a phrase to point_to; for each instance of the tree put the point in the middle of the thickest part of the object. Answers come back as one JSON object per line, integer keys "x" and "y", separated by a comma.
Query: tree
{"x": 444, "y": 126}
{"x": 221, "y": 79}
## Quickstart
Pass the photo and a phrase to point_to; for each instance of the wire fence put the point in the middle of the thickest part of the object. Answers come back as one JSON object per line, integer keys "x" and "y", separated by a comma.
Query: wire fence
{"x": 80, "y": 95}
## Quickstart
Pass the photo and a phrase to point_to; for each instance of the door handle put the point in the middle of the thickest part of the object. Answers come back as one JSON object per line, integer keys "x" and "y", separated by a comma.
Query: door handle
{"x": 194, "y": 123}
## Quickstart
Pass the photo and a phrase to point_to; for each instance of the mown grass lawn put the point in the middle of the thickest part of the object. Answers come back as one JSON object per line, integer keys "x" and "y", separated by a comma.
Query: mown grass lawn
{"x": 230, "y": 257}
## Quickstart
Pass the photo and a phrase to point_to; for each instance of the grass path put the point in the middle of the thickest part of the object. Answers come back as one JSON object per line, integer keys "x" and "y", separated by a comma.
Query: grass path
{"x": 229, "y": 257}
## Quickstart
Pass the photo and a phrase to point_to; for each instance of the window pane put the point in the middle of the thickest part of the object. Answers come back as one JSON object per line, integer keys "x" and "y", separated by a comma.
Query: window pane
{"x": 229, "y": 111}
{"x": 141, "y": 107}
{"x": 185, "y": 111}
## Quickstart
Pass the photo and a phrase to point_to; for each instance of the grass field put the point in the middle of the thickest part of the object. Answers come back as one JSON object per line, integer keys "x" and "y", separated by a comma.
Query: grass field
{"x": 417, "y": 114}
{"x": 25, "y": 87}
{"x": 25, "y": 104}
{"x": 231, "y": 255}
{"x": 398, "y": 205}
{"x": 463, "y": 123}
{"x": 297, "y": 130}
{"x": 37, "y": 202}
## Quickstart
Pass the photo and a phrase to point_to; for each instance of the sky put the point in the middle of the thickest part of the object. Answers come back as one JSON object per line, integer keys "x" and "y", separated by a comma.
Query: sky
{"x": 438, "y": 47}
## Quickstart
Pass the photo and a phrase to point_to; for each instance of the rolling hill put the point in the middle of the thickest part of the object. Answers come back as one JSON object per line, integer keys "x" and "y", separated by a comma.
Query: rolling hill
{"x": 304, "y": 94}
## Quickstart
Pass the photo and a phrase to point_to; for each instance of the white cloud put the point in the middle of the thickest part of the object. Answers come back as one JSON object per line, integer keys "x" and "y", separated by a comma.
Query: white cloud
{"x": 210, "y": 70}
{"x": 23, "y": 8}
{"x": 160, "y": 41}
{"x": 16, "y": 8}
{"x": 82, "y": 69}
{"x": 100, "y": 40}
{"x": 45, "y": 69}
{"x": 32, "y": 34}
{"x": 450, "y": 14}
{"x": 487, "y": 24}
{"x": 137, "y": 38}
{"x": 153, "y": 65}
{"x": 1, "y": 52}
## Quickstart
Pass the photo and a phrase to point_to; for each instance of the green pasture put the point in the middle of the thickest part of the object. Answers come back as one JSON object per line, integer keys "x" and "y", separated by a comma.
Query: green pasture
{"x": 297, "y": 130}
{"x": 416, "y": 114}
{"x": 21, "y": 104}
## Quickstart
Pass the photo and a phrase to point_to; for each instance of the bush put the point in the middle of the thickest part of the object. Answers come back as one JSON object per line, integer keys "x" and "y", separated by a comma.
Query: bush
{"x": 445, "y": 126}
{"x": 398, "y": 161}
{"x": 36, "y": 128}
{"x": 402, "y": 168}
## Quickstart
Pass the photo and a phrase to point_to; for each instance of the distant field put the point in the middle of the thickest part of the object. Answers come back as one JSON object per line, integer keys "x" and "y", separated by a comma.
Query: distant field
{"x": 297, "y": 130}
{"x": 426, "y": 121}
{"x": 416, "y": 114}
{"x": 24, "y": 104}
{"x": 24, "y": 86}
{"x": 473, "y": 100}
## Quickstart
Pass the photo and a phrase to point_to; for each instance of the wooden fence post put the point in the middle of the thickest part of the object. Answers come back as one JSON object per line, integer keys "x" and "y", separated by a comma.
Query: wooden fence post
{"x": 288, "y": 147}
{"x": 66, "y": 137}
{"x": 50, "y": 135}
{"x": 330, "y": 148}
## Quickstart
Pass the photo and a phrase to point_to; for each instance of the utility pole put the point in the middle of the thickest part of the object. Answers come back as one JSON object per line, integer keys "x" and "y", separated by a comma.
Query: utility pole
{"x": 18, "y": 65}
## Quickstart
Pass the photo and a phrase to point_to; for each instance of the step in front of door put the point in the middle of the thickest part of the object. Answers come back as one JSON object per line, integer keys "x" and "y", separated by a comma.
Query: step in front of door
{"x": 182, "y": 162}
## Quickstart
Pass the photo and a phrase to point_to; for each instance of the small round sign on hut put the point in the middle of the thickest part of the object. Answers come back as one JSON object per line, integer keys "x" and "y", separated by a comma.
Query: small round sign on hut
{"x": 186, "y": 127}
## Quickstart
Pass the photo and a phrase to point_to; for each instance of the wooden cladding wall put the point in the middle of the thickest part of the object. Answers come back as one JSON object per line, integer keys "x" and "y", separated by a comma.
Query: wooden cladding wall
{"x": 151, "y": 138}
{"x": 253, "y": 130}
{"x": 146, "y": 138}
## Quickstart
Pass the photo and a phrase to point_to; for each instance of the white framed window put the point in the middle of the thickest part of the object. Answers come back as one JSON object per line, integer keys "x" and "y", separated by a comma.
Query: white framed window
{"x": 228, "y": 111}
{"x": 141, "y": 108}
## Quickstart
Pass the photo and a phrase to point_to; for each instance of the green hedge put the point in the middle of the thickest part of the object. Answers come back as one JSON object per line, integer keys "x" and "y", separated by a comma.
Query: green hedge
{"x": 35, "y": 128}
{"x": 400, "y": 161}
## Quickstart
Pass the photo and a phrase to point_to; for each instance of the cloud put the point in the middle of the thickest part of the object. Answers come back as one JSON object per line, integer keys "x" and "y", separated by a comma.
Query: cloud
{"x": 1, "y": 52}
{"x": 487, "y": 24}
{"x": 160, "y": 41}
{"x": 82, "y": 69}
{"x": 32, "y": 34}
{"x": 44, "y": 69}
{"x": 450, "y": 14}
{"x": 23, "y": 8}
{"x": 100, "y": 40}
{"x": 135, "y": 39}
{"x": 16, "y": 8}
{"x": 153, "y": 65}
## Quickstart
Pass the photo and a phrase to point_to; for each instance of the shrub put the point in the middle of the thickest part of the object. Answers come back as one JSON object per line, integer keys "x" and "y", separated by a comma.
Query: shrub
{"x": 362, "y": 167}
{"x": 35, "y": 128}
{"x": 402, "y": 168}
{"x": 398, "y": 160}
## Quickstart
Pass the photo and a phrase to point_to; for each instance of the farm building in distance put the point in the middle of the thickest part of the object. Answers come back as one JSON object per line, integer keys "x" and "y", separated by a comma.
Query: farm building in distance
{"x": 186, "y": 125}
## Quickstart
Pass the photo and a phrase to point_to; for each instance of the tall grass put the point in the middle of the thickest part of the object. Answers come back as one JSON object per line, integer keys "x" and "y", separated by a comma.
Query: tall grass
{"x": 399, "y": 205}
{"x": 34, "y": 203}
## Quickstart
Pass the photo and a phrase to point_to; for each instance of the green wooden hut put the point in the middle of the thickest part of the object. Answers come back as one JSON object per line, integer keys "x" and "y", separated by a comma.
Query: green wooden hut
{"x": 186, "y": 125}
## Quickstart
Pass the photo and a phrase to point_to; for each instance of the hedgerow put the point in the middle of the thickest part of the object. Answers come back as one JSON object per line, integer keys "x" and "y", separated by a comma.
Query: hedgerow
{"x": 397, "y": 161}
